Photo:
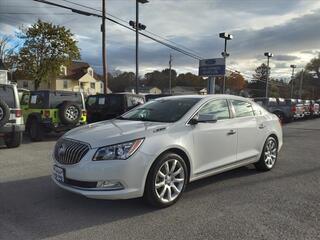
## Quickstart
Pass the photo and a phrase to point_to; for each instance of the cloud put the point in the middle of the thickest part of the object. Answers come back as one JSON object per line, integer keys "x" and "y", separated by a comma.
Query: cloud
{"x": 285, "y": 57}
{"x": 284, "y": 27}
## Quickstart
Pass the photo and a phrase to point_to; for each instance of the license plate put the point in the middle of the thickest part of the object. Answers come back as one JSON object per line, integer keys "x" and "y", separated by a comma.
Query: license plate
{"x": 58, "y": 173}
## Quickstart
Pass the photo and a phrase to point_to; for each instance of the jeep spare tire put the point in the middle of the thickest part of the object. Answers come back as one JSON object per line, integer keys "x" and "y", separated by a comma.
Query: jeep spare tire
{"x": 4, "y": 113}
{"x": 69, "y": 113}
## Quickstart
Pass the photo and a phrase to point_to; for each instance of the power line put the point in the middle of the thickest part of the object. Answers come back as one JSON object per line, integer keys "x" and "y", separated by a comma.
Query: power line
{"x": 122, "y": 20}
{"x": 123, "y": 25}
{"x": 25, "y": 13}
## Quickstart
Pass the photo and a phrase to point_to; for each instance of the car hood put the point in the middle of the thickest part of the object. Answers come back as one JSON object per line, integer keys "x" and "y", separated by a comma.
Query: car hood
{"x": 114, "y": 131}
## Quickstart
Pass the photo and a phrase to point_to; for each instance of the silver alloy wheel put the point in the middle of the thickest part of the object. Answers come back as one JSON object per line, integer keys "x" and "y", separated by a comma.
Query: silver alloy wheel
{"x": 1, "y": 113}
{"x": 170, "y": 180}
{"x": 72, "y": 113}
{"x": 270, "y": 153}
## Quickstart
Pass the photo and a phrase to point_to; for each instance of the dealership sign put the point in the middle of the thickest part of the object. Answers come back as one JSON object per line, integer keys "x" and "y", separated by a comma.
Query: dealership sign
{"x": 212, "y": 67}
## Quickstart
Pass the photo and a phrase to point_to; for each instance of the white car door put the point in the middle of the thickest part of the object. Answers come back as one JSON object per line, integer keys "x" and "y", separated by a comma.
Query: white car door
{"x": 248, "y": 146}
{"x": 215, "y": 144}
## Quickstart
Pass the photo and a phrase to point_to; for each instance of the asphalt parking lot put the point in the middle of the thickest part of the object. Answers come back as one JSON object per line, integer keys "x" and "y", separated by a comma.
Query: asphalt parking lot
{"x": 240, "y": 204}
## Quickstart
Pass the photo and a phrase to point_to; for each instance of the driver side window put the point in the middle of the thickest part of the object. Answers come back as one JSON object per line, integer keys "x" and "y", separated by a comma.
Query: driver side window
{"x": 219, "y": 108}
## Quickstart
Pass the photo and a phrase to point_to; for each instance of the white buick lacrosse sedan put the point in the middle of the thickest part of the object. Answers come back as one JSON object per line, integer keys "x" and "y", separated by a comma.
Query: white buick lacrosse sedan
{"x": 156, "y": 149}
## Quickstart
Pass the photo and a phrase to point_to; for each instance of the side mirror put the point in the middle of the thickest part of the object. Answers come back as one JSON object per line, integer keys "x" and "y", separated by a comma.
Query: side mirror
{"x": 203, "y": 118}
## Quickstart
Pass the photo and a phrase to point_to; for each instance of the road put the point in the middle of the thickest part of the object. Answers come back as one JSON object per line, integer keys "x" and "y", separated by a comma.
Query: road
{"x": 241, "y": 204}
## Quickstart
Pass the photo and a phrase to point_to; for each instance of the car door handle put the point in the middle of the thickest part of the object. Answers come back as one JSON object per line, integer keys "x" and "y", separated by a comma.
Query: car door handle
{"x": 261, "y": 126}
{"x": 231, "y": 132}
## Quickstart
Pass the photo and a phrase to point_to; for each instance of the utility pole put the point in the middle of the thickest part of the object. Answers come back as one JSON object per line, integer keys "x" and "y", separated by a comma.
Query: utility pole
{"x": 268, "y": 55}
{"x": 225, "y": 59}
{"x": 292, "y": 79}
{"x": 137, "y": 26}
{"x": 301, "y": 81}
{"x": 226, "y": 37}
{"x": 170, "y": 63}
{"x": 104, "y": 56}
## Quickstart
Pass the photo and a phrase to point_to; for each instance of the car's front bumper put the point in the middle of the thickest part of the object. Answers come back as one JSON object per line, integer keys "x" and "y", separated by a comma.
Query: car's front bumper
{"x": 131, "y": 173}
{"x": 298, "y": 115}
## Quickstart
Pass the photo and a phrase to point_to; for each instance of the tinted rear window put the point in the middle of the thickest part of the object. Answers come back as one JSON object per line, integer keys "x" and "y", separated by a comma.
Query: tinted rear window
{"x": 114, "y": 102}
{"x": 7, "y": 95}
{"x": 109, "y": 103}
{"x": 38, "y": 100}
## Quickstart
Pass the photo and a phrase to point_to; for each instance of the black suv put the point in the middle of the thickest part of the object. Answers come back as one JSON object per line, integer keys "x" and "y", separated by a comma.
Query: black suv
{"x": 107, "y": 106}
{"x": 46, "y": 111}
{"x": 11, "y": 121}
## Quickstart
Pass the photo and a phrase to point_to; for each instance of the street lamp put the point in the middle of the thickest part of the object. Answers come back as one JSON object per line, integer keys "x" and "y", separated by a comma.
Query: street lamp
{"x": 292, "y": 78}
{"x": 268, "y": 55}
{"x": 226, "y": 37}
{"x": 137, "y": 27}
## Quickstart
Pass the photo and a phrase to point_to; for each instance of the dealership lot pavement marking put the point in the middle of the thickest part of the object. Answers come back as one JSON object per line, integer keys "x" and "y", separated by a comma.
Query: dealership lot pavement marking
{"x": 240, "y": 204}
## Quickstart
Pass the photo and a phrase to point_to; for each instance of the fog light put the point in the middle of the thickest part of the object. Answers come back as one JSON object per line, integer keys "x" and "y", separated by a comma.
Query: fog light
{"x": 109, "y": 185}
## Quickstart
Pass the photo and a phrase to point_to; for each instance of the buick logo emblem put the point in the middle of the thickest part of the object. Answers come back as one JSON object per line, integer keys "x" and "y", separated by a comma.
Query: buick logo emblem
{"x": 61, "y": 150}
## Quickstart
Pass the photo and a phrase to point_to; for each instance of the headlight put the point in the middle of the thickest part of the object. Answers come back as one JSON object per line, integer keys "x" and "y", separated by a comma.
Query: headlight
{"x": 119, "y": 151}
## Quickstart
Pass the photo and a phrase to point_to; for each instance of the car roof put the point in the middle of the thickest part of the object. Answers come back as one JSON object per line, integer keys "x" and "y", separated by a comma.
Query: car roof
{"x": 206, "y": 97}
{"x": 116, "y": 94}
{"x": 50, "y": 91}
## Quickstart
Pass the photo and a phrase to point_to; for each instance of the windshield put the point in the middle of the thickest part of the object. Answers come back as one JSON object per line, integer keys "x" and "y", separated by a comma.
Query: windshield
{"x": 164, "y": 110}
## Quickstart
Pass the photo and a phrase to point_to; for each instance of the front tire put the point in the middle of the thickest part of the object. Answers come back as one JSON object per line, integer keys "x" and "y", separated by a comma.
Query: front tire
{"x": 166, "y": 181}
{"x": 13, "y": 140}
{"x": 269, "y": 155}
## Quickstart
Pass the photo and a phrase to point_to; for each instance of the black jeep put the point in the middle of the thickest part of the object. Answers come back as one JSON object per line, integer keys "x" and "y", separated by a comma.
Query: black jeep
{"x": 107, "y": 106}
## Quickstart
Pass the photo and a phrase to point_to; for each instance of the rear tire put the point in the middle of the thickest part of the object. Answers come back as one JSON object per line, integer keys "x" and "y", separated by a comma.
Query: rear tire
{"x": 13, "y": 140}
{"x": 35, "y": 130}
{"x": 166, "y": 181}
{"x": 4, "y": 113}
{"x": 268, "y": 156}
{"x": 69, "y": 113}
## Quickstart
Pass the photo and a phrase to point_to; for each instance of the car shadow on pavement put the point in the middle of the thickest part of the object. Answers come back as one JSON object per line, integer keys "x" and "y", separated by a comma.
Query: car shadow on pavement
{"x": 30, "y": 203}
{"x": 39, "y": 207}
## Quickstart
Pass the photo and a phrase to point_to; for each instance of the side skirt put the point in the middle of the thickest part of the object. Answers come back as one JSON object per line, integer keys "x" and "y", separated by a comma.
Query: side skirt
{"x": 224, "y": 168}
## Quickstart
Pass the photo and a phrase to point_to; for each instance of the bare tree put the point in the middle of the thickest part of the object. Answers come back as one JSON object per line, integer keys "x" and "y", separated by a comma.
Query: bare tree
{"x": 6, "y": 47}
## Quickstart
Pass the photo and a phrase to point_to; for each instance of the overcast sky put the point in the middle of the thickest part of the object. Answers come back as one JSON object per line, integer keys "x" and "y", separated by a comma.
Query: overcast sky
{"x": 287, "y": 28}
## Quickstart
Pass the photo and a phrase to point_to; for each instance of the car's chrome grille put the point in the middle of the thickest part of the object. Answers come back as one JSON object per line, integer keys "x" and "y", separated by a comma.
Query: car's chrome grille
{"x": 69, "y": 151}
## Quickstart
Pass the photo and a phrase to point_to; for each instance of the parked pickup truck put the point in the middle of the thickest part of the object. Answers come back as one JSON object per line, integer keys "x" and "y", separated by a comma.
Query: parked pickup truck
{"x": 278, "y": 107}
{"x": 297, "y": 107}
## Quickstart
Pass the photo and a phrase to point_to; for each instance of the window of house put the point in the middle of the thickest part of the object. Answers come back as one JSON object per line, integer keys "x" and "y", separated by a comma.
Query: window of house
{"x": 90, "y": 72}
{"x": 63, "y": 70}
{"x": 25, "y": 84}
{"x": 242, "y": 108}
{"x": 65, "y": 84}
{"x": 219, "y": 108}
{"x": 92, "y": 85}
